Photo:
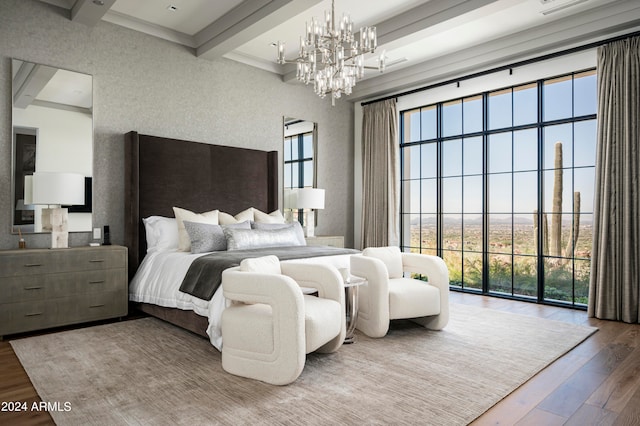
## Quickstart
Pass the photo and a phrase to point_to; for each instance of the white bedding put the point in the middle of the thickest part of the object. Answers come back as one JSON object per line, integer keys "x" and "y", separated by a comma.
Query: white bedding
{"x": 160, "y": 275}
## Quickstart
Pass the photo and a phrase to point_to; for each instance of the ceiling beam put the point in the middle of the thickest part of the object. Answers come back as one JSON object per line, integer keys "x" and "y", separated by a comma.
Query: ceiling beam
{"x": 424, "y": 16}
{"x": 588, "y": 26}
{"x": 90, "y": 12}
{"x": 245, "y": 22}
{"x": 29, "y": 80}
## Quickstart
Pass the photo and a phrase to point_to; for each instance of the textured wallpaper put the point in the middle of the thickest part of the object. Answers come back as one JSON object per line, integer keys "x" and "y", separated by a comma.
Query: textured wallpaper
{"x": 159, "y": 88}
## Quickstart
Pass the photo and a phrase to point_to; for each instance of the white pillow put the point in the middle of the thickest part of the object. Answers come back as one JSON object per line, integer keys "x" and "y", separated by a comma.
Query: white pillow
{"x": 227, "y": 219}
{"x": 161, "y": 232}
{"x": 390, "y": 256}
{"x": 242, "y": 239}
{"x": 184, "y": 244}
{"x": 264, "y": 265}
{"x": 295, "y": 225}
{"x": 273, "y": 217}
{"x": 205, "y": 237}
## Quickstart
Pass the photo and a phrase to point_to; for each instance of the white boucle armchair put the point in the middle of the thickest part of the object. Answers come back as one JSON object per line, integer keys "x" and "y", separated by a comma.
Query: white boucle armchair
{"x": 390, "y": 295}
{"x": 271, "y": 326}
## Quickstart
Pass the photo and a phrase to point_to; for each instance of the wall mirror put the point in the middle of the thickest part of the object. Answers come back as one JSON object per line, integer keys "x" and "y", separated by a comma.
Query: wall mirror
{"x": 52, "y": 122}
{"x": 299, "y": 160}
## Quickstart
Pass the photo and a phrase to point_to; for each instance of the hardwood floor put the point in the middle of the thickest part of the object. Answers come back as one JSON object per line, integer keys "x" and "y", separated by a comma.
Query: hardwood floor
{"x": 596, "y": 383}
{"x": 15, "y": 386}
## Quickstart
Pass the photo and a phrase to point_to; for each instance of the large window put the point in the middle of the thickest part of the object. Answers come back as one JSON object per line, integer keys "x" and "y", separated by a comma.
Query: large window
{"x": 501, "y": 186}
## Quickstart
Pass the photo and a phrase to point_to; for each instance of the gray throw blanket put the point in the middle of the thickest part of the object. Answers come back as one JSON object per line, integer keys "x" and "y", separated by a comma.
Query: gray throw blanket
{"x": 205, "y": 273}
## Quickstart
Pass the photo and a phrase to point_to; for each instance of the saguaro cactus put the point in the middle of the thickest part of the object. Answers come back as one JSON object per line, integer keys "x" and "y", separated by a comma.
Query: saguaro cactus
{"x": 545, "y": 233}
{"x": 575, "y": 231}
{"x": 556, "y": 218}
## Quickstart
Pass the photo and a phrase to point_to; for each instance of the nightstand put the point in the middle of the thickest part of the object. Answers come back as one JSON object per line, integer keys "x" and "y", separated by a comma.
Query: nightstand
{"x": 326, "y": 240}
{"x": 43, "y": 288}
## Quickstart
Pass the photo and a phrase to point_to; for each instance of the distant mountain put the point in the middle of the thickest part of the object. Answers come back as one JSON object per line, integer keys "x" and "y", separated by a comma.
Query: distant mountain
{"x": 518, "y": 220}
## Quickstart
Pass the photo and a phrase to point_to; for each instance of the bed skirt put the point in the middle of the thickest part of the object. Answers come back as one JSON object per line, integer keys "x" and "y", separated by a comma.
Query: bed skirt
{"x": 188, "y": 320}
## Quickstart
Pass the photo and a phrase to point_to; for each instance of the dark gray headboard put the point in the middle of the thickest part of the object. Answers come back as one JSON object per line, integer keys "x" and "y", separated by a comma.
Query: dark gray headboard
{"x": 161, "y": 173}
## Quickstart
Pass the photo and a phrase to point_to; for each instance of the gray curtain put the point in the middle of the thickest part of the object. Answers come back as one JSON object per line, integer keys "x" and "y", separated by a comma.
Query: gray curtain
{"x": 615, "y": 262}
{"x": 380, "y": 200}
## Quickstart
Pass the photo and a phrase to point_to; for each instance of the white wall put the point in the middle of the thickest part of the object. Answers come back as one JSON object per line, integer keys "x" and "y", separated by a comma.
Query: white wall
{"x": 549, "y": 68}
{"x": 64, "y": 138}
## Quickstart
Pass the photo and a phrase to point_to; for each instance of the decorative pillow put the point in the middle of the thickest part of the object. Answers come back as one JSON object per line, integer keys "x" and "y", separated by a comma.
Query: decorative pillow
{"x": 227, "y": 219}
{"x": 184, "y": 244}
{"x": 161, "y": 232}
{"x": 241, "y": 239}
{"x": 295, "y": 225}
{"x": 390, "y": 256}
{"x": 273, "y": 217}
{"x": 264, "y": 265}
{"x": 206, "y": 237}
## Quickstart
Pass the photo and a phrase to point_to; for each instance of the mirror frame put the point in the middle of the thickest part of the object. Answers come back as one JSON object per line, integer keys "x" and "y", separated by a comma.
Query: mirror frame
{"x": 31, "y": 129}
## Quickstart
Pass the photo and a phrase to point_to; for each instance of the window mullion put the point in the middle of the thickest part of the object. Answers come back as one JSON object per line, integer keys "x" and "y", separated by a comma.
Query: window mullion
{"x": 485, "y": 193}
{"x": 540, "y": 218}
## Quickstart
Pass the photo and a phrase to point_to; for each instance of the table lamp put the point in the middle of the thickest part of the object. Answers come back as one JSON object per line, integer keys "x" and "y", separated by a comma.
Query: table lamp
{"x": 310, "y": 199}
{"x": 54, "y": 189}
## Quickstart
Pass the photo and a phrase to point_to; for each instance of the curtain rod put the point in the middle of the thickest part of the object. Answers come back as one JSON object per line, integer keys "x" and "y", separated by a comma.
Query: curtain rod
{"x": 505, "y": 67}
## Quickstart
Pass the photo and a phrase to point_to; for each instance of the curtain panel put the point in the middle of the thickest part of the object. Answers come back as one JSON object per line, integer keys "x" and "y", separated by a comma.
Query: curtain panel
{"x": 615, "y": 262}
{"x": 380, "y": 169}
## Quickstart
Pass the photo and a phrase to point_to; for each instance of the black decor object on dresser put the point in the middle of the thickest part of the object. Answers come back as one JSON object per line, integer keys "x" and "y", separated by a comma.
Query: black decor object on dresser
{"x": 107, "y": 236}
{"x": 45, "y": 288}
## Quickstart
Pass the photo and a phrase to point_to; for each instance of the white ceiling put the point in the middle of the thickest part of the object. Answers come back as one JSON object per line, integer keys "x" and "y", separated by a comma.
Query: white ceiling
{"x": 429, "y": 39}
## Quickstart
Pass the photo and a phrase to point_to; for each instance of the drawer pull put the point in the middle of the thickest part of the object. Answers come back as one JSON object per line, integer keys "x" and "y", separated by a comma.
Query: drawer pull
{"x": 32, "y": 288}
{"x": 31, "y": 265}
{"x": 34, "y": 314}
{"x": 96, "y": 260}
{"x": 97, "y": 306}
{"x": 96, "y": 282}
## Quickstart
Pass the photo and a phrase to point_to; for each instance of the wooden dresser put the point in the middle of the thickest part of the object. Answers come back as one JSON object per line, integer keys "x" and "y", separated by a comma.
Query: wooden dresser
{"x": 45, "y": 288}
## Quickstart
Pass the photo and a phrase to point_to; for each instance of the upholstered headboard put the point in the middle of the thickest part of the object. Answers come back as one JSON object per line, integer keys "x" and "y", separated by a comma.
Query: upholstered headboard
{"x": 161, "y": 173}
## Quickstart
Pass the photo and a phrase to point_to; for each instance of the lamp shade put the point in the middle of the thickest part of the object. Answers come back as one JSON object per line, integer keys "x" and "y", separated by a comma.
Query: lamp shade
{"x": 310, "y": 198}
{"x": 57, "y": 188}
{"x": 290, "y": 198}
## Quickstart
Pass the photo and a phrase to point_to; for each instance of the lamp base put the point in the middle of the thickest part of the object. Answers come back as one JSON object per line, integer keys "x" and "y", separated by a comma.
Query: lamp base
{"x": 309, "y": 224}
{"x": 56, "y": 220}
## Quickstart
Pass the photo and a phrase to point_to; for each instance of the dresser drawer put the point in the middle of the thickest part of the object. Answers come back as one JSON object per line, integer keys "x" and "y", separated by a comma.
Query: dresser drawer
{"x": 41, "y": 287}
{"x": 24, "y": 316}
{"x": 326, "y": 240}
{"x": 40, "y": 262}
{"x": 29, "y": 263}
{"x": 93, "y": 259}
{"x": 22, "y": 289}
{"x": 92, "y": 307}
{"x": 27, "y": 316}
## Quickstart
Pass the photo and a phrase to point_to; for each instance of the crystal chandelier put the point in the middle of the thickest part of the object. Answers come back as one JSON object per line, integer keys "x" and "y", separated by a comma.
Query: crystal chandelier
{"x": 331, "y": 57}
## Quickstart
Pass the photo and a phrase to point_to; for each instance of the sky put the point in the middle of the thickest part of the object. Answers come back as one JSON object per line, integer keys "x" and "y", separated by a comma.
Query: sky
{"x": 512, "y": 155}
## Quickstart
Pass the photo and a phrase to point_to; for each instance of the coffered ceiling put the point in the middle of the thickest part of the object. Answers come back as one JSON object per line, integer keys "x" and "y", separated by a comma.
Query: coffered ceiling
{"x": 424, "y": 41}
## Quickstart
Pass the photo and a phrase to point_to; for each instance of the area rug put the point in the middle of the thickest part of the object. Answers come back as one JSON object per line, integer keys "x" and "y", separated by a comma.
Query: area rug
{"x": 147, "y": 372}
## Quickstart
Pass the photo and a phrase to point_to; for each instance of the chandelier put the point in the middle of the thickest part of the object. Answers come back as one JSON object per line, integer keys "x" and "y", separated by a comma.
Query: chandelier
{"x": 331, "y": 57}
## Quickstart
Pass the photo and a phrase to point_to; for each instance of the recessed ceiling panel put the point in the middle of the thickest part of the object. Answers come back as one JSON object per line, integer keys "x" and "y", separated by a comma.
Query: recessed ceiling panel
{"x": 185, "y": 16}
{"x": 68, "y": 88}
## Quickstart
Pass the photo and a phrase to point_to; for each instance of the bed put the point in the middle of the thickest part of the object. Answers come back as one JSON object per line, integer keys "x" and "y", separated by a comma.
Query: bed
{"x": 161, "y": 173}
